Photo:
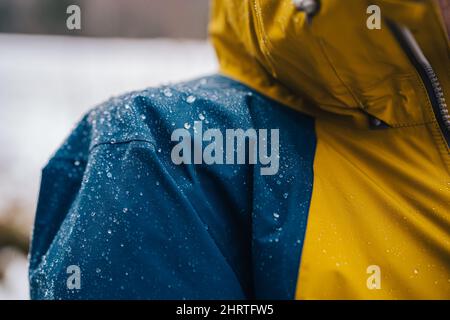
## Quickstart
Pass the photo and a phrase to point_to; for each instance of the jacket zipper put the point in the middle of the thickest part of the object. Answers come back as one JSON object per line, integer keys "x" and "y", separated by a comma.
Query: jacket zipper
{"x": 428, "y": 76}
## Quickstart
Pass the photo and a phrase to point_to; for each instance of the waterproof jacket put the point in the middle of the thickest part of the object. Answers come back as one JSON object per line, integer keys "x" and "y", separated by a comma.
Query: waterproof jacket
{"x": 360, "y": 206}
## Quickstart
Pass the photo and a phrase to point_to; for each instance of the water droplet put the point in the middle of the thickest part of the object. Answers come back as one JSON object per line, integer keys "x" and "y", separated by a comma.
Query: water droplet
{"x": 416, "y": 271}
{"x": 76, "y": 163}
{"x": 125, "y": 210}
{"x": 201, "y": 117}
{"x": 143, "y": 117}
{"x": 167, "y": 92}
{"x": 109, "y": 175}
{"x": 187, "y": 125}
{"x": 276, "y": 215}
{"x": 190, "y": 99}
{"x": 109, "y": 231}
{"x": 285, "y": 195}
{"x": 98, "y": 270}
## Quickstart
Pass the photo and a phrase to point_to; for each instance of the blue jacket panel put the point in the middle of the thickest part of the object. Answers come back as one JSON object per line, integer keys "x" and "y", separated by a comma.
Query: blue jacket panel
{"x": 137, "y": 226}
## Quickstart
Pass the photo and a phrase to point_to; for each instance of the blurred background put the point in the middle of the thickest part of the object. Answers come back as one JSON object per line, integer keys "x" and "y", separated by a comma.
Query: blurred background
{"x": 50, "y": 76}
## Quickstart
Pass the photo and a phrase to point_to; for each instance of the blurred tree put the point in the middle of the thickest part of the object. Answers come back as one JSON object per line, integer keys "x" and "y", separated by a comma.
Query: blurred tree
{"x": 15, "y": 227}
{"x": 10, "y": 236}
{"x": 108, "y": 18}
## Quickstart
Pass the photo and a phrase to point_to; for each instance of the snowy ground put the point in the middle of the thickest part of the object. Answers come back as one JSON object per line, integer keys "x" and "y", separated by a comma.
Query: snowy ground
{"x": 47, "y": 83}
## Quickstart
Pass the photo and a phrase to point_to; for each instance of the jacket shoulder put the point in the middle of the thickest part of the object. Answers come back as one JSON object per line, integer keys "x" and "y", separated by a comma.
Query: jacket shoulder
{"x": 148, "y": 114}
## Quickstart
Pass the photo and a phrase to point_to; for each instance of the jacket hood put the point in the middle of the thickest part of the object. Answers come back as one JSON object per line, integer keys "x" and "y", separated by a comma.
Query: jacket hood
{"x": 332, "y": 64}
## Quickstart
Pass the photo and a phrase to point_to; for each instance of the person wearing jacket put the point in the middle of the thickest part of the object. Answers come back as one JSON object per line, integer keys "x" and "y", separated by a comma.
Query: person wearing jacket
{"x": 357, "y": 208}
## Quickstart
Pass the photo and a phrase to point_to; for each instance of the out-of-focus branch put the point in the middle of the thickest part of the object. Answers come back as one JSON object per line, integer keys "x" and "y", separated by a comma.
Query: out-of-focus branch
{"x": 15, "y": 225}
{"x": 10, "y": 236}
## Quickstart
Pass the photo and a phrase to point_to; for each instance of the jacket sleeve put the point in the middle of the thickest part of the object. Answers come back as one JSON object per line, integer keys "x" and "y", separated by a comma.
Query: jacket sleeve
{"x": 136, "y": 226}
